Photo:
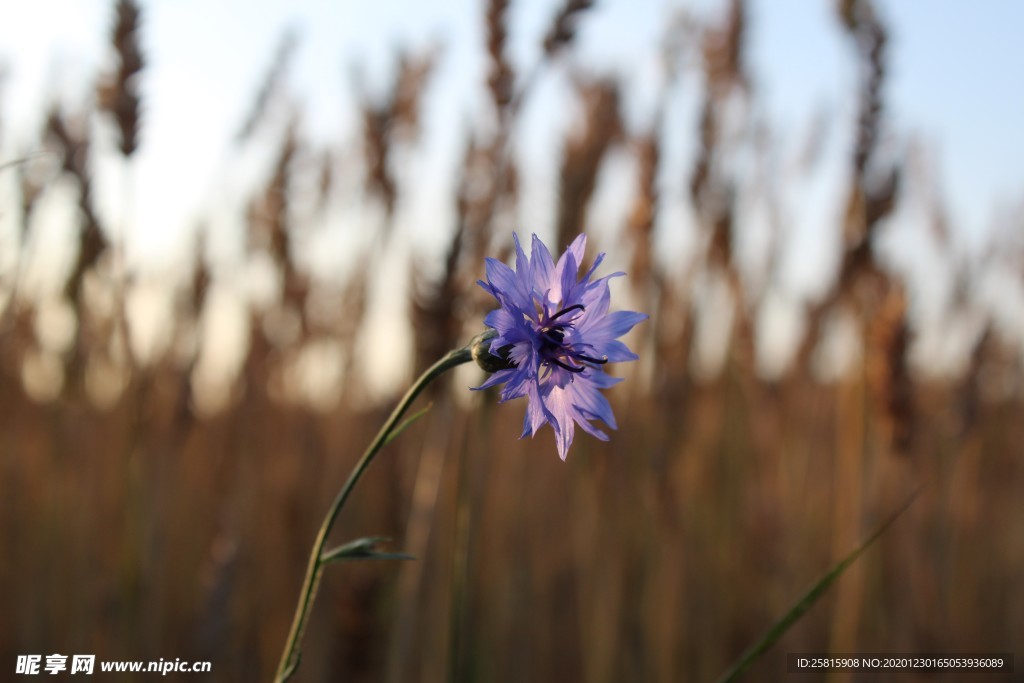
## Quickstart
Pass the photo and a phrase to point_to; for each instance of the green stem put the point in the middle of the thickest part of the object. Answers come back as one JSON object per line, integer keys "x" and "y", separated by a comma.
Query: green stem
{"x": 291, "y": 655}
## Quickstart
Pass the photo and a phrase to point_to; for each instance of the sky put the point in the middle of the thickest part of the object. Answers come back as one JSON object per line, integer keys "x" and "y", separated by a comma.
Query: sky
{"x": 955, "y": 86}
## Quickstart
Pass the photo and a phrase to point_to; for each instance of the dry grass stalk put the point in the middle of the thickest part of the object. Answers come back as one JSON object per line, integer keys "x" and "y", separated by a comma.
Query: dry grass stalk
{"x": 889, "y": 376}
{"x": 673, "y": 342}
{"x": 643, "y": 213}
{"x": 272, "y": 222}
{"x": 848, "y": 508}
{"x": 433, "y": 303}
{"x": 377, "y": 151}
{"x": 874, "y": 190}
{"x": 355, "y": 296}
{"x": 563, "y": 30}
{"x": 500, "y": 77}
{"x": 396, "y": 118}
{"x": 276, "y": 205}
{"x": 919, "y": 171}
{"x": 200, "y": 285}
{"x": 878, "y": 187}
{"x": 271, "y": 88}
{"x": 413, "y": 75}
{"x": 73, "y": 147}
{"x": 712, "y": 192}
{"x": 723, "y": 74}
{"x": 325, "y": 178}
{"x": 487, "y": 181}
{"x": 968, "y": 404}
{"x": 31, "y": 189}
{"x": 583, "y": 151}
{"x": 723, "y": 52}
{"x": 640, "y": 224}
{"x": 861, "y": 21}
{"x": 708, "y": 140}
{"x": 119, "y": 92}
{"x": 487, "y": 176}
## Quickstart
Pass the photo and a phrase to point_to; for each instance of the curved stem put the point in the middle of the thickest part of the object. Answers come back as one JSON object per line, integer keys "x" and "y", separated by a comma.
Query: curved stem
{"x": 290, "y": 657}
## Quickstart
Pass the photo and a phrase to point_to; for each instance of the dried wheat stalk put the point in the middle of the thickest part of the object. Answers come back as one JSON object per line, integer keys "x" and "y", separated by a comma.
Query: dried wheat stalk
{"x": 873, "y": 190}
{"x": 640, "y": 224}
{"x": 395, "y": 119}
{"x": 73, "y": 147}
{"x": 563, "y": 30}
{"x": 723, "y": 52}
{"x": 584, "y": 149}
{"x": 271, "y": 87}
{"x": 500, "y": 78}
{"x": 119, "y": 91}
{"x": 888, "y": 374}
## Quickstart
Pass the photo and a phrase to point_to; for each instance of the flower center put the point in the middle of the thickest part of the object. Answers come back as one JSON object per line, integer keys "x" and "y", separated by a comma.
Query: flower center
{"x": 553, "y": 347}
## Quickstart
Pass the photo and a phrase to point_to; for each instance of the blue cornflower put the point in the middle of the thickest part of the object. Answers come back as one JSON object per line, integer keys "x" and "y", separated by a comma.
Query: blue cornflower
{"x": 556, "y": 335}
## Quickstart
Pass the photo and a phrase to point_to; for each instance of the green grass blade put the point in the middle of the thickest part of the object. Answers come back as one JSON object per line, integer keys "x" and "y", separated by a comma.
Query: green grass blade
{"x": 362, "y": 549}
{"x": 808, "y": 599}
{"x": 406, "y": 423}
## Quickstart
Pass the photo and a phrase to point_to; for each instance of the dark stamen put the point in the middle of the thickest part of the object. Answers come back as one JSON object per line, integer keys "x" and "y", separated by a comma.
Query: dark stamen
{"x": 599, "y": 361}
{"x": 567, "y": 310}
{"x": 555, "y": 334}
{"x": 567, "y": 367}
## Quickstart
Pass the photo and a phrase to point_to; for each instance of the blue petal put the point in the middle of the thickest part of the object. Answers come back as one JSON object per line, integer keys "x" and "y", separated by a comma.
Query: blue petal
{"x": 487, "y": 288}
{"x": 501, "y": 320}
{"x": 566, "y": 274}
{"x": 602, "y": 379}
{"x": 536, "y": 415}
{"x": 592, "y": 430}
{"x": 587, "y": 397}
{"x": 616, "y": 351}
{"x": 518, "y": 385}
{"x": 612, "y": 325}
{"x": 593, "y": 268}
{"x": 597, "y": 289}
{"x": 543, "y": 267}
{"x": 577, "y": 249}
{"x": 559, "y": 403}
{"x": 523, "y": 270}
{"x": 495, "y": 379}
{"x": 504, "y": 282}
{"x": 596, "y": 299}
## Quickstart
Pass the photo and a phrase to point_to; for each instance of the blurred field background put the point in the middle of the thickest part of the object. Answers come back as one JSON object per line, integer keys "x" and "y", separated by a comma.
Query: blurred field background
{"x": 172, "y": 437}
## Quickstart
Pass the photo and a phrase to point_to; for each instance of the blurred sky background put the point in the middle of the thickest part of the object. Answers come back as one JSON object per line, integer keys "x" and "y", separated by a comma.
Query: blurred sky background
{"x": 954, "y": 89}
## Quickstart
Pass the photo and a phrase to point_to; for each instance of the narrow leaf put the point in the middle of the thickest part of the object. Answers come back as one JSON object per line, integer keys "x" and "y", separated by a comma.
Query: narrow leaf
{"x": 408, "y": 421}
{"x": 362, "y": 549}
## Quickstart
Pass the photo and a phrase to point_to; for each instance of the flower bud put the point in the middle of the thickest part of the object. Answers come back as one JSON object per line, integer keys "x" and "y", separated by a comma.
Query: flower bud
{"x": 488, "y": 361}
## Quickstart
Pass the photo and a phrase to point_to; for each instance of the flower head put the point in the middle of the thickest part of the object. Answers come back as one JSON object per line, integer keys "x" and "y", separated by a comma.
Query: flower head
{"x": 556, "y": 334}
